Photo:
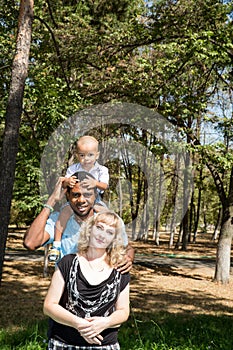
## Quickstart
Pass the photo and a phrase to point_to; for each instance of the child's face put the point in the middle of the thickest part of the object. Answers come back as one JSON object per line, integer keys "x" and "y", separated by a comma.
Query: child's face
{"x": 102, "y": 235}
{"x": 87, "y": 155}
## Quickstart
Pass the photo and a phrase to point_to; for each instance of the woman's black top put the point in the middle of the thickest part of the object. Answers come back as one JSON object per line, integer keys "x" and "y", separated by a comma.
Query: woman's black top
{"x": 86, "y": 300}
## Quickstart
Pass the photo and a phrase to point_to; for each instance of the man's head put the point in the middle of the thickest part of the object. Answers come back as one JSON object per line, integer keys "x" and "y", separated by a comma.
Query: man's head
{"x": 81, "y": 197}
{"x": 87, "y": 151}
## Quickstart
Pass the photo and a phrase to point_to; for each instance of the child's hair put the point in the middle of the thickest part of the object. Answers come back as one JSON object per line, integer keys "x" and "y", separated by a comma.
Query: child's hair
{"x": 115, "y": 251}
{"x": 87, "y": 139}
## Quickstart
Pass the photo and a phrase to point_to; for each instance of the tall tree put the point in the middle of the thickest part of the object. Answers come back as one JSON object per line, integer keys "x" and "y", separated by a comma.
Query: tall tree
{"x": 197, "y": 58}
{"x": 13, "y": 118}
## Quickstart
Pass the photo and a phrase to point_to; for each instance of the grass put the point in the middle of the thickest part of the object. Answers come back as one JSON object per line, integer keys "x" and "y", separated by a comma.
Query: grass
{"x": 26, "y": 337}
{"x": 176, "y": 332}
{"x": 159, "y": 332}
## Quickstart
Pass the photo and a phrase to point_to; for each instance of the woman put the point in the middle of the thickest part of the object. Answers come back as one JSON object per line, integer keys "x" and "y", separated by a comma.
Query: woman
{"x": 88, "y": 298}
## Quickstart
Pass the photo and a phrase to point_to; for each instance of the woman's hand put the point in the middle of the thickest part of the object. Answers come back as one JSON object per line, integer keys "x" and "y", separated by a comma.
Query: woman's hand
{"x": 95, "y": 340}
{"x": 92, "y": 330}
{"x": 89, "y": 331}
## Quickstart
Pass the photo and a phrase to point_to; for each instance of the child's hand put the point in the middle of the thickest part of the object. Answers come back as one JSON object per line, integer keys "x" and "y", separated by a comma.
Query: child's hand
{"x": 89, "y": 182}
{"x": 69, "y": 181}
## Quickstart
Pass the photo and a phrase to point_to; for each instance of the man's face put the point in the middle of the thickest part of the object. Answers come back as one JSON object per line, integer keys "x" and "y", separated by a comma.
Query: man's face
{"x": 82, "y": 200}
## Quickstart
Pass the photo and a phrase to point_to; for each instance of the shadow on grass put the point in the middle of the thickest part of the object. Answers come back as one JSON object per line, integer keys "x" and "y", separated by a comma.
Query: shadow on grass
{"x": 179, "y": 302}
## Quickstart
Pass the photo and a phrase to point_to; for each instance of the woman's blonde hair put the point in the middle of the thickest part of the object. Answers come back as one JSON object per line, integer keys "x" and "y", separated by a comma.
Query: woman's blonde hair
{"x": 116, "y": 250}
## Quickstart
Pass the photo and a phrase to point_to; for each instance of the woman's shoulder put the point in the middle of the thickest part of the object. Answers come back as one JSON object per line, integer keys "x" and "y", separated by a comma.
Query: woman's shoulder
{"x": 66, "y": 260}
{"x": 65, "y": 265}
{"x": 125, "y": 279}
{"x": 68, "y": 257}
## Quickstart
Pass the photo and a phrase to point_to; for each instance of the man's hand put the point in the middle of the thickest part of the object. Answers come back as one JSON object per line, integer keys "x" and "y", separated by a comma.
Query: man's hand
{"x": 58, "y": 192}
{"x": 125, "y": 265}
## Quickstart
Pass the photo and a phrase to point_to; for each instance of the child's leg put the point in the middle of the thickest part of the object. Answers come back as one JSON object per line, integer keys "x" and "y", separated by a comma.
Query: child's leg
{"x": 61, "y": 222}
{"x": 55, "y": 251}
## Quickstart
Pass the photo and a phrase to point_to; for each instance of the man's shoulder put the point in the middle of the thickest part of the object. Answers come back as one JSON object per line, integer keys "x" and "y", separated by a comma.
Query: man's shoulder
{"x": 72, "y": 224}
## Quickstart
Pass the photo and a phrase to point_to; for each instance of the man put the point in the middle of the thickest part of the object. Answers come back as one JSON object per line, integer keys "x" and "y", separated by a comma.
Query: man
{"x": 82, "y": 200}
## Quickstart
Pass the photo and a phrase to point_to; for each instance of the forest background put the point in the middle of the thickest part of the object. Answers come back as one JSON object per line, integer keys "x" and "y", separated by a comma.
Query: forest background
{"x": 172, "y": 58}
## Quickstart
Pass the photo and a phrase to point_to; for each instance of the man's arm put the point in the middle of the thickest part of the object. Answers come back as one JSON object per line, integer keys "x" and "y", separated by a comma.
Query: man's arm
{"x": 36, "y": 235}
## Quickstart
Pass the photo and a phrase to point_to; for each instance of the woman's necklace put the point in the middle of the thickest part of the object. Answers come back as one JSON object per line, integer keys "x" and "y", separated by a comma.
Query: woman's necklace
{"x": 99, "y": 268}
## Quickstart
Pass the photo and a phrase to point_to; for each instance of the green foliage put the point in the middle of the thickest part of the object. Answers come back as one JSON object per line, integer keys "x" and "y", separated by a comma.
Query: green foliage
{"x": 8, "y": 25}
{"x": 167, "y": 55}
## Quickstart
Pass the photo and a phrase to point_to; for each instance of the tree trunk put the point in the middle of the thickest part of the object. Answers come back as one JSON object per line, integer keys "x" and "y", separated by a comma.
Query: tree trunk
{"x": 222, "y": 271}
{"x": 186, "y": 195}
{"x": 185, "y": 231}
{"x": 159, "y": 201}
{"x": 191, "y": 217}
{"x": 217, "y": 225}
{"x": 197, "y": 215}
{"x": 13, "y": 119}
{"x": 223, "y": 258}
{"x": 174, "y": 201}
{"x": 144, "y": 226}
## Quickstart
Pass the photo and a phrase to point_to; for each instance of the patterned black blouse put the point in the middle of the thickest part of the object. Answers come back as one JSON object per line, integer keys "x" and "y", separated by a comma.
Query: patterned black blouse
{"x": 85, "y": 300}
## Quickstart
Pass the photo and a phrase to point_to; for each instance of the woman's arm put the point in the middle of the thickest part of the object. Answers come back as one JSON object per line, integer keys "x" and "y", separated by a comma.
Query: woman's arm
{"x": 121, "y": 313}
{"x": 51, "y": 303}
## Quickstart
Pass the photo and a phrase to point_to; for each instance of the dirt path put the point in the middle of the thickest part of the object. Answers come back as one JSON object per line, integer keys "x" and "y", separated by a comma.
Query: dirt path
{"x": 162, "y": 280}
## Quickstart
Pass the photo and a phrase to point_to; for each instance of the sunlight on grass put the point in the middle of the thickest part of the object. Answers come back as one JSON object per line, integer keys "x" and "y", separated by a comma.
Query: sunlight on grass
{"x": 31, "y": 337}
{"x": 160, "y": 332}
